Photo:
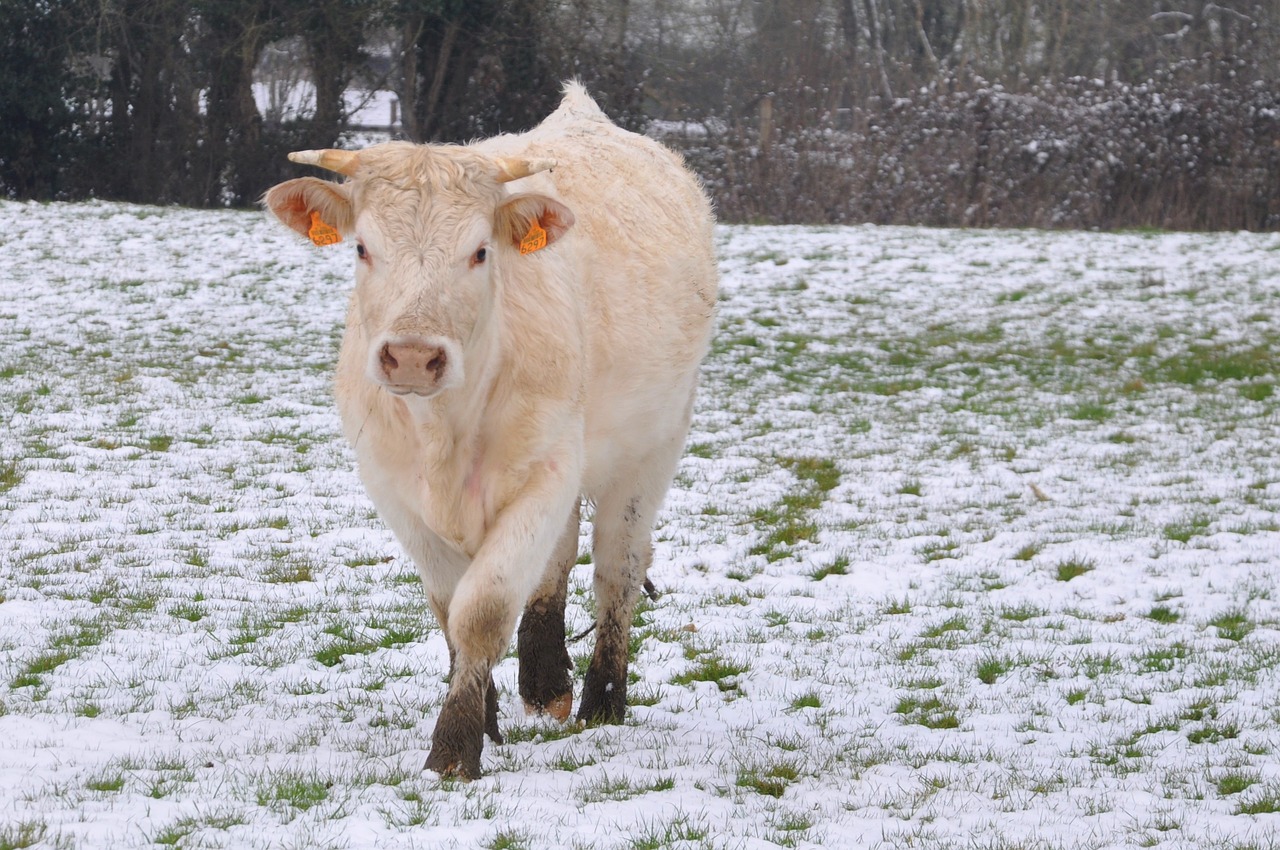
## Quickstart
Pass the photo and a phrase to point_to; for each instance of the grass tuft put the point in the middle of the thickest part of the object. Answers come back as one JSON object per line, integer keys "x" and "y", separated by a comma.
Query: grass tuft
{"x": 22, "y": 835}
{"x": 1073, "y": 567}
{"x": 713, "y": 668}
{"x": 10, "y": 475}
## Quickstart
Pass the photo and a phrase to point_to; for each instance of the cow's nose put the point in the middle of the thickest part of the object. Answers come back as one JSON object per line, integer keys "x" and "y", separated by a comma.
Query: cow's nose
{"x": 413, "y": 366}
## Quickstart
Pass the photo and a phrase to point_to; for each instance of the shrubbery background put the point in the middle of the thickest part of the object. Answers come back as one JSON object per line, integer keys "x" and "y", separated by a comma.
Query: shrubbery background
{"x": 1053, "y": 113}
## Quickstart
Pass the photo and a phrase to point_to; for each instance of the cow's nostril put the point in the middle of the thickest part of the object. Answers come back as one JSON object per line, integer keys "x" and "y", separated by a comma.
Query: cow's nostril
{"x": 437, "y": 363}
{"x": 388, "y": 360}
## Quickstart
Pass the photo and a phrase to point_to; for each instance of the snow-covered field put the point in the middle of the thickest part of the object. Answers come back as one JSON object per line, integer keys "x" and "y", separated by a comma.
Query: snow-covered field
{"x": 976, "y": 546}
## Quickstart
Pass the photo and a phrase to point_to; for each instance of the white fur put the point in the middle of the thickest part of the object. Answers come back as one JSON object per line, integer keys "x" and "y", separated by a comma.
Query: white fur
{"x": 580, "y": 360}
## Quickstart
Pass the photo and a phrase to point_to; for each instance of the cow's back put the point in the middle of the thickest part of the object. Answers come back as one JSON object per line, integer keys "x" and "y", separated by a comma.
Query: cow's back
{"x": 642, "y": 245}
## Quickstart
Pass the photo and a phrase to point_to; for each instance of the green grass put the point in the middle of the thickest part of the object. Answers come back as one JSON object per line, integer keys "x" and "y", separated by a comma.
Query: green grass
{"x": 1183, "y": 531}
{"x": 1074, "y": 567}
{"x": 22, "y": 835}
{"x": 1233, "y": 625}
{"x": 713, "y": 668}
{"x": 513, "y": 839}
{"x": 789, "y": 522}
{"x": 956, "y": 623}
{"x": 33, "y": 672}
{"x": 839, "y": 566}
{"x": 679, "y": 830}
{"x": 619, "y": 789}
{"x": 10, "y": 475}
{"x": 1266, "y": 802}
{"x": 991, "y": 668}
{"x": 1027, "y": 552}
{"x": 808, "y": 700}
{"x": 771, "y": 780}
{"x": 1237, "y": 781}
{"x": 106, "y": 783}
{"x": 1091, "y": 411}
{"x": 295, "y": 790}
{"x": 931, "y": 711}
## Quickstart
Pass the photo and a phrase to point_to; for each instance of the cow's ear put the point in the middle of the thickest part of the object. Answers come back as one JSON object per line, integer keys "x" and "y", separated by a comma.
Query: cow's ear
{"x": 531, "y": 222}
{"x": 303, "y": 202}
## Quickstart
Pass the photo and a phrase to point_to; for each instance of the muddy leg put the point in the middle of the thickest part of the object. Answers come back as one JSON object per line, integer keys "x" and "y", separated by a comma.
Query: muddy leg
{"x": 484, "y": 608}
{"x": 545, "y": 685}
{"x": 623, "y": 552}
{"x": 459, "y": 734}
{"x": 470, "y": 711}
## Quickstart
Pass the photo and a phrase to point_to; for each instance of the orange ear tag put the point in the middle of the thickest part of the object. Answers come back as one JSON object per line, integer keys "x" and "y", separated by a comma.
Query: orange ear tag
{"x": 321, "y": 233}
{"x": 534, "y": 240}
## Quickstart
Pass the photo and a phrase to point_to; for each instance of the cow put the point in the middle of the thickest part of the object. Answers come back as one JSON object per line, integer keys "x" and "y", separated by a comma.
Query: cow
{"x": 528, "y": 320}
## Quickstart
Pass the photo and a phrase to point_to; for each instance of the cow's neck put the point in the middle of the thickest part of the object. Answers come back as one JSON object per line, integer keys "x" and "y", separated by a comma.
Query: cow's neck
{"x": 454, "y": 422}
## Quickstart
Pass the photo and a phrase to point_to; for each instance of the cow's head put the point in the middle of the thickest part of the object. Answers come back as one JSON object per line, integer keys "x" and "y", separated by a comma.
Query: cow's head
{"x": 433, "y": 227}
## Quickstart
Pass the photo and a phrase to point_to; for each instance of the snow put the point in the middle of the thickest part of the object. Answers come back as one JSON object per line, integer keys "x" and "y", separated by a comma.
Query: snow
{"x": 208, "y": 639}
{"x": 291, "y": 100}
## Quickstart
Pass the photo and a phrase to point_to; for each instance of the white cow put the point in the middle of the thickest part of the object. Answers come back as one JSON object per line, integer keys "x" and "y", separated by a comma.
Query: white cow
{"x": 526, "y": 328}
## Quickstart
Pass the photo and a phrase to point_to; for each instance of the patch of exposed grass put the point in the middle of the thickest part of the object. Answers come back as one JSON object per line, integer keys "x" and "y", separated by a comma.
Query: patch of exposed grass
{"x": 713, "y": 668}
{"x": 1027, "y": 552}
{"x": 1233, "y": 625}
{"x": 1073, "y": 567}
{"x": 1091, "y": 411}
{"x": 956, "y": 623}
{"x": 22, "y": 835}
{"x": 106, "y": 782}
{"x": 991, "y": 668}
{"x": 770, "y": 780}
{"x": 1264, "y": 802}
{"x": 510, "y": 839}
{"x": 1183, "y": 530}
{"x": 10, "y": 475}
{"x": 622, "y": 788}
{"x": 930, "y": 711}
{"x": 789, "y": 522}
{"x": 295, "y": 790}
{"x": 839, "y": 566}
{"x": 1236, "y": 781}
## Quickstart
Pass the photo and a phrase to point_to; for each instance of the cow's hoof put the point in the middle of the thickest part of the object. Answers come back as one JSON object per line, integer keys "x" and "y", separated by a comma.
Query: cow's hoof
{"x": 459, "y": 735}
{"x": 602, "y": 703}
{"x": 451, "y": 764}
{"x": 558, "y": 707}
{"x": 545, "y": 685}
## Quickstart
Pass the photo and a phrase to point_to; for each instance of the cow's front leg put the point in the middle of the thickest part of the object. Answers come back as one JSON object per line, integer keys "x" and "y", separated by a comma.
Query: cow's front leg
{"x": 491, "y": 694}
{"x": 623, "y": 553}
{"x": 459, "y": 735}
{"x": 545, "y": 685}
{"x": 482, "y": 616}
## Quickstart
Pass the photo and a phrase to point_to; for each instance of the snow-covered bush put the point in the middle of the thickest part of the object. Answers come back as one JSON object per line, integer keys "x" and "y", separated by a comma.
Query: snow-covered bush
{"x": 1082, "y": 153}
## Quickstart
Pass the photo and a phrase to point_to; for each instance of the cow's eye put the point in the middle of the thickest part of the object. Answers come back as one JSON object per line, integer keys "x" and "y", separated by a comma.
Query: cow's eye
{"x": 478, "y": 257}
{"x": 361, "y": 252}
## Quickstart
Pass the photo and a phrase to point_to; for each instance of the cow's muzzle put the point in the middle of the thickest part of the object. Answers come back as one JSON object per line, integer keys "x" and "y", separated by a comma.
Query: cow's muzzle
{"x": 416, "y": 365}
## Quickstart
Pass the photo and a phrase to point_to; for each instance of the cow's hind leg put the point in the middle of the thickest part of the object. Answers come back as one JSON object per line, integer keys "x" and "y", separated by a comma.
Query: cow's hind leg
{"x": 545, "y": 684}
{"x": 623, "y": 552}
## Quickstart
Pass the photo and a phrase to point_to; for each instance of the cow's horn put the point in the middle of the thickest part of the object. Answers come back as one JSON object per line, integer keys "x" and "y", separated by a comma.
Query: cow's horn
{"x": 514, "y": 169}
{"x": 343, "y": 162}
